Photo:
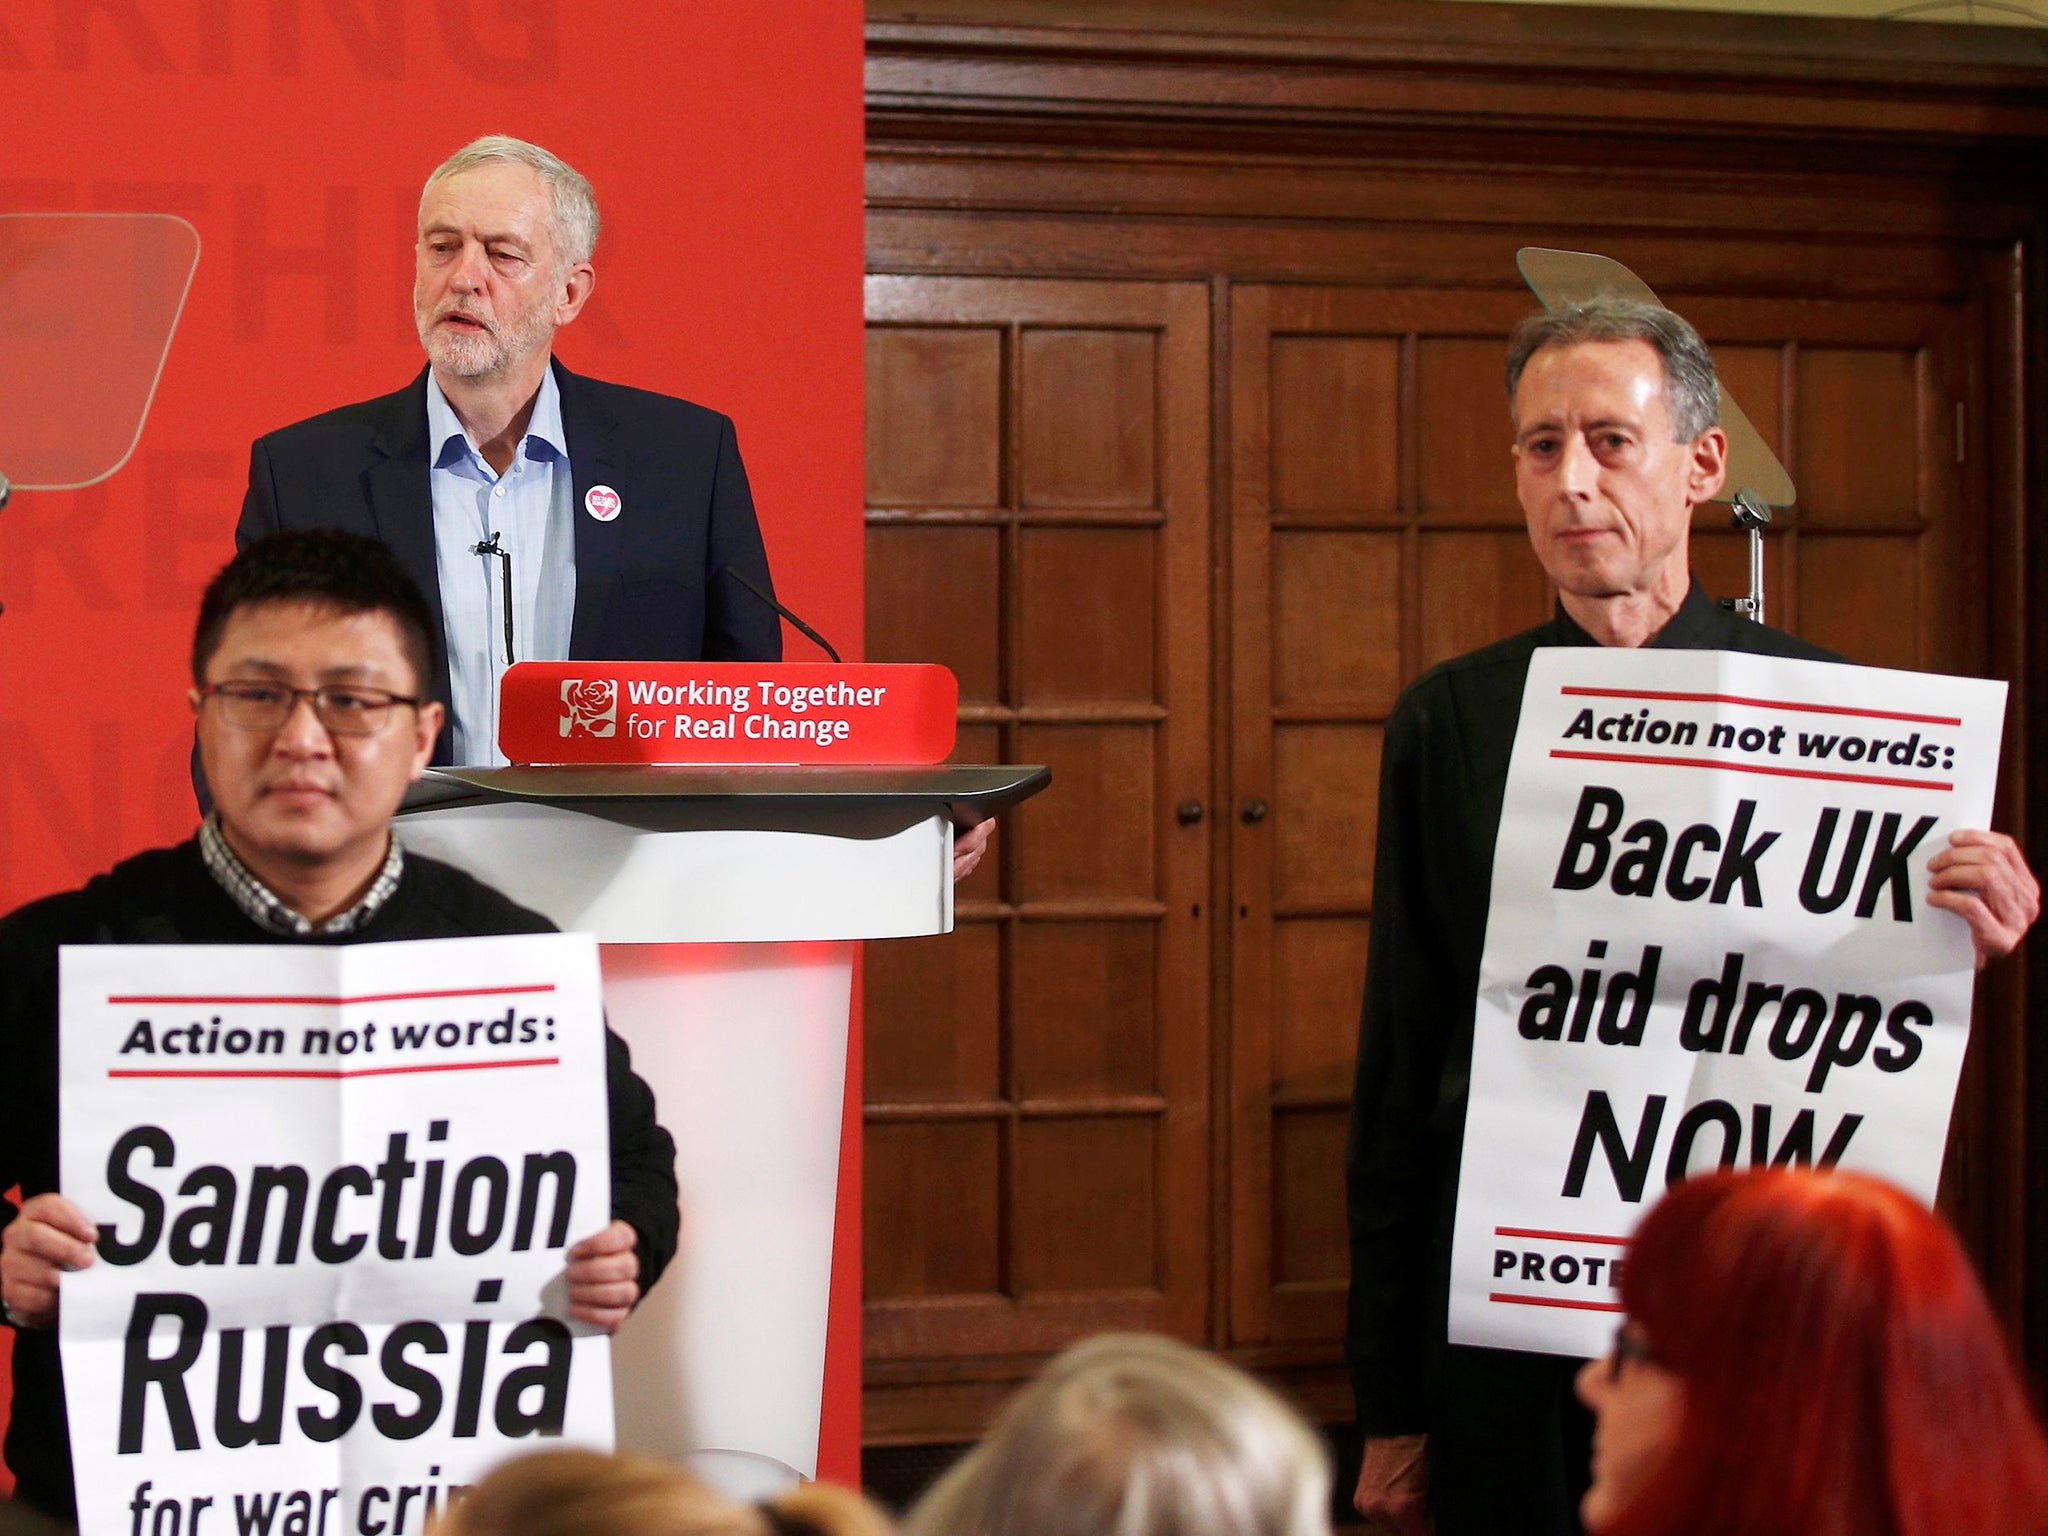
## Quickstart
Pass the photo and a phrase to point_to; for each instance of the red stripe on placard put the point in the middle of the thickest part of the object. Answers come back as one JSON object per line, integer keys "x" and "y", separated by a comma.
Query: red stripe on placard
{"x": 1556, "y": 1301}
{"x": 1782, "y": 773}
{"x": 451, "y": 1066}
{"x": 1736, "y": 698}
{"x": 332, "y": 1002}
{"x": 1561, "y": 1237}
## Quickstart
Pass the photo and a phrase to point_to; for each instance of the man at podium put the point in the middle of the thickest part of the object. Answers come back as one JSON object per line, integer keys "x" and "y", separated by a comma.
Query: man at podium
{"x": 547, "y": 516}
{"x": 1617, "y": 440}
{"x": 297, "y": 850}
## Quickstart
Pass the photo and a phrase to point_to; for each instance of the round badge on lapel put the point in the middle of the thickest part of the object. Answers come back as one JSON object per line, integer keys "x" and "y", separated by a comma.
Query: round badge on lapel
{"x": 601, "y": 502}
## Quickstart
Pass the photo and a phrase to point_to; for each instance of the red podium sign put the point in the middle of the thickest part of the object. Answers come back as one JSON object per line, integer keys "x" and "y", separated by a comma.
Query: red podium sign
{"x": 726, "y": 712}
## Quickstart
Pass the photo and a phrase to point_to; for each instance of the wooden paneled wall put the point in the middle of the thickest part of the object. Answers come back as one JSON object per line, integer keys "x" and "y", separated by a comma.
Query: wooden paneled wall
{"x": 1187, "y": 449}
{"x": 1038, "y": 1081}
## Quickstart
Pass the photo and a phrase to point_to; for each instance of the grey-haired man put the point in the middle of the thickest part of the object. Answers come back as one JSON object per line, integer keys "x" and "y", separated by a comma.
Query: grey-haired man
{"x": 547, "y": 516}
{"x": 1616, "y": 442}
{"x": 620, "y": 515}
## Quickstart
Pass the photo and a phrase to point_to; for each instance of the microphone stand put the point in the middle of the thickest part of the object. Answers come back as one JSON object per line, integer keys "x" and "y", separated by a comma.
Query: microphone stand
{"x": 1754, "y": 514}
{"x": 491, "y": 546}
{"x": 805, "y": 629}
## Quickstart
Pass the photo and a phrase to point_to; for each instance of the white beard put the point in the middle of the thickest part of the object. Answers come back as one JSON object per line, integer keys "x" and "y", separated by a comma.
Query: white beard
{"x": 475, "y": 355}
{"x": 462, "y": 355}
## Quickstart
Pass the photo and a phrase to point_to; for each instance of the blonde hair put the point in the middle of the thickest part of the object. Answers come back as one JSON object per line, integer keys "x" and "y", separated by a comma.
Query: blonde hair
{"x": 588, "y": 1493}
{"x": 1132, "y": 1434}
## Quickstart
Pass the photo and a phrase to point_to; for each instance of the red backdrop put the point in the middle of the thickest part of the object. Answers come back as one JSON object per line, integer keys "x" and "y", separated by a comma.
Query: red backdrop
{"x": 725, "y": 145}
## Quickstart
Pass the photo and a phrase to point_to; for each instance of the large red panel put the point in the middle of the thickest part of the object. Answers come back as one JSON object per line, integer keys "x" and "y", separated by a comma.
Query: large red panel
{"x": 725, "y": 145}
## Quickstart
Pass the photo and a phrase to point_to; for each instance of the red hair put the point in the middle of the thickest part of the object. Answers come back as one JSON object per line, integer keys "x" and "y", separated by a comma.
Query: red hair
{"x": 1843, "y": 1374}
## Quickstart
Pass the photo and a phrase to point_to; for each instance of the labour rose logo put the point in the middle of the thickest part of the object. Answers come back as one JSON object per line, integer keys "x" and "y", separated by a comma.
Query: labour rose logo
{"x": 590, "y": 709}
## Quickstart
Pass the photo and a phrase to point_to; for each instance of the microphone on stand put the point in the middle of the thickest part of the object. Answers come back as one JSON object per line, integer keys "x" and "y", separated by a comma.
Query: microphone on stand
{"x": 960, "y": 827}
{"x": 804, "y": 629}
{"x": 491, "y": 546}
{"x": 1752, "y": 513}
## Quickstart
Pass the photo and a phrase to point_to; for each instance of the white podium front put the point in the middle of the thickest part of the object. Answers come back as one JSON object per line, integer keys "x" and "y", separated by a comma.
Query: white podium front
{"x": 727, "y": 901}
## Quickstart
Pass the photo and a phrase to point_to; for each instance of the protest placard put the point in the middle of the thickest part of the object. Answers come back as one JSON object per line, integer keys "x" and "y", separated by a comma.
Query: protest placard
{"x": 1708, "y": 945}
{"x": 334, "y": 1187}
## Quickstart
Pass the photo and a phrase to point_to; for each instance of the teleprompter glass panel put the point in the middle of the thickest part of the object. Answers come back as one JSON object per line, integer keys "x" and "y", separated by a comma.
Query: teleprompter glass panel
{"x": 88, "y": 304}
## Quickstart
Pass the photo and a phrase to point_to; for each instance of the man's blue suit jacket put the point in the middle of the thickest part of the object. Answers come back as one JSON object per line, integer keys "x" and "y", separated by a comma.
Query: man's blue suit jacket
{"x": 650, "y": 584}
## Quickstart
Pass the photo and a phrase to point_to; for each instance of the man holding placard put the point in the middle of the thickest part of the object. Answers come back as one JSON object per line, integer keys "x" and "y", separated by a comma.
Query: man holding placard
{"x": 1616, "y": 442}
{"x": 298, "y": 852}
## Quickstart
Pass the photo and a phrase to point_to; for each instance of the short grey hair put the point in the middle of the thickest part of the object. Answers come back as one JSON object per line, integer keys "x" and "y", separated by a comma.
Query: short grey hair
{"x": 572, "y": 205}
{"x": 1691, "y": 397}
{"x": 1133, "y": 1434}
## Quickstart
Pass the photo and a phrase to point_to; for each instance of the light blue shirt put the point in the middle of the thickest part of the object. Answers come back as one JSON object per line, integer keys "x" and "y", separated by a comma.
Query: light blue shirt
{"x": 529, "y": 509}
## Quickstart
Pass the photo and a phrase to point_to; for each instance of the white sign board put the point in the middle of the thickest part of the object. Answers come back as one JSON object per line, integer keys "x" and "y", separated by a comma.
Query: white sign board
{"x": 334, "y": 1187}
{"x": 1709, "y": 944}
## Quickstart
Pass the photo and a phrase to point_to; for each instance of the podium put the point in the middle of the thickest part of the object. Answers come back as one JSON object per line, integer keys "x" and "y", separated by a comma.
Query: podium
{"x": 727, "y": 902}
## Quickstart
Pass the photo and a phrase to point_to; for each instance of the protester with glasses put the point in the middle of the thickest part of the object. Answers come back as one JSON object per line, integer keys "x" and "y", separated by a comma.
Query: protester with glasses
{"x": 1806, "y": 1352}
{"x": 345, "y": 709}
{"x": 307, "y": 671}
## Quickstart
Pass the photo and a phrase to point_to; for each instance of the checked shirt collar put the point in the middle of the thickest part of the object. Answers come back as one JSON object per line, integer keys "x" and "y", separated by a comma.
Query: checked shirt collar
{"x": 260, "y": 904}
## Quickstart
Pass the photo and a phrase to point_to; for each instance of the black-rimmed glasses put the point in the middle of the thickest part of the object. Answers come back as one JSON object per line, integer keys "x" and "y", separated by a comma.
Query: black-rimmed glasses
{"x": 1626, "y": 1347}
{"x": 344, "y": 709}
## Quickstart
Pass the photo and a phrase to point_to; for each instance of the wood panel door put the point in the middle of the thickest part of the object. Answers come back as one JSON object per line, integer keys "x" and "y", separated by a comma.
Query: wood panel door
{"x": 1037, "y": 1081}
{"x": 1375, "y": 532}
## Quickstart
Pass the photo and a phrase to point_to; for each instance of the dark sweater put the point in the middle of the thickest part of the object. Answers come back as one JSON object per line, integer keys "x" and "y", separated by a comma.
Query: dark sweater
{"x": 1442, "y": 778}
{"x": 166, "y": 896}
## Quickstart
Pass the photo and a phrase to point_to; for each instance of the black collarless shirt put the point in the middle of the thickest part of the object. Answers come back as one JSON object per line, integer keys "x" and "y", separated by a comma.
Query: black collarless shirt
{"x": 1443, "y": 773}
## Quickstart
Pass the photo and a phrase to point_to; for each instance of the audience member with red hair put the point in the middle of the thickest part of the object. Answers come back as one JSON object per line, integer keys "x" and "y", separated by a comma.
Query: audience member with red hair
{"x": 1807, "y": 1352}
